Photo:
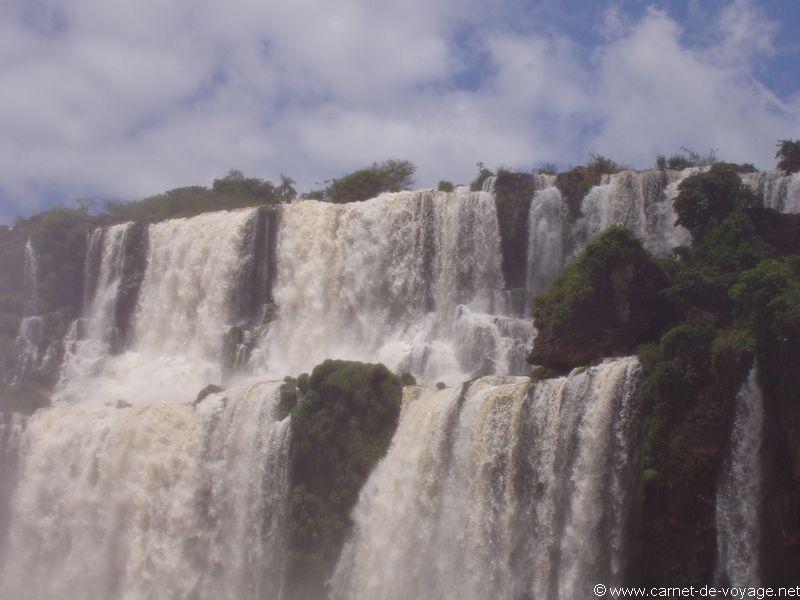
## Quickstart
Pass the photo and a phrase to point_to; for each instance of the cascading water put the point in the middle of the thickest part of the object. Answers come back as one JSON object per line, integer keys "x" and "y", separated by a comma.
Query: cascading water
{"x": 31, "y": 326}
{"x": 779, "y": 191}
{"x": 545, "y": 239}
{"x": 739, "y": 494}
{"x": 164, "y": 500}
{"x": 500, "y": 489}
{"x": 183, "y": 313}
{"x": 638, "y": 200}
{"x": 408, "y": 279}
{"x": 90, "y": 339}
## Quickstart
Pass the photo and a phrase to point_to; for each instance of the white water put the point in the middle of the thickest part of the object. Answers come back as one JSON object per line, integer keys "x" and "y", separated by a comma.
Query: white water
{"x": 183, "y": 313}
{"x": 155, "y": 501}
{"x": 31, "y": 326}
{"x": 779, "y": 191}
{"x": 545, "y": 239}
{"x": 510, "y": 490}
{"x": 638, "y": 200}
{"x": 89, "y": 341}
{"x": 409, "y": 279}
{"x": 740, "y": 492}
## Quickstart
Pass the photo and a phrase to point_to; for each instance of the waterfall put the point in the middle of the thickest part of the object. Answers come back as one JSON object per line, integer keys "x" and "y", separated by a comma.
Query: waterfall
{"x": 638, "y": 200}
{"x": 739, "y": 494}
{"x": 30, "y": 280}
{"x": 163, "y": 500}
{"x": 502, "y": 488}
{"x": 545, "y": 239}
{"x": 408, "y": 279}
{"x": 180, "y": 321}
{"x": 31, "y": 327}
{"x": 90, "y": 340}
{"x": 778, "y": 190}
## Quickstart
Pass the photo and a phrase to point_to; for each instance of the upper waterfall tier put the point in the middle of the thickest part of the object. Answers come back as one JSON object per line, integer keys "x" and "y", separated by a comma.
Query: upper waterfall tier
{"x": 180, "y": 320}
{"x": 411, "y": 279}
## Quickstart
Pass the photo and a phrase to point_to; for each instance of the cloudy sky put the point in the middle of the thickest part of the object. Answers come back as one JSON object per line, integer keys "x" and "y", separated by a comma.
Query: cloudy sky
{"x": 121, "y": 99}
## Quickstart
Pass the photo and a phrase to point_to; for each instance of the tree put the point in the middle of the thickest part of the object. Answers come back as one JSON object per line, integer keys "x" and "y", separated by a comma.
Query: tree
{"x": 445, "y": 186}
{"x": 547, "y": 169}
{"x": 397, "y": 174}
{"x": 483, "y": 175}
{"x": 604, "y": 165}
{"x": 705, "y": 199}
{"x": 389, "y": 176}
{"x": 789, "y": 155}
{"x": 286, "y": 189}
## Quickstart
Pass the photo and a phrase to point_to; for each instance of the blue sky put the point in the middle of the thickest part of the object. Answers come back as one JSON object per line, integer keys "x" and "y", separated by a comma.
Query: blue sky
{"x": 120, "y": 99}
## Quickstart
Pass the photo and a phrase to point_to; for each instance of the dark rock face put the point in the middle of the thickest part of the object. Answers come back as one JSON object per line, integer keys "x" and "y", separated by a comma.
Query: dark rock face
{"x": 133, "y": 267}
{"x": 513, "y": 192}
{"x": 780, "y": 230}
{"x": 604, "y": 304}
{"x": 206, "y": 392}
{"x": 779, "y": 378}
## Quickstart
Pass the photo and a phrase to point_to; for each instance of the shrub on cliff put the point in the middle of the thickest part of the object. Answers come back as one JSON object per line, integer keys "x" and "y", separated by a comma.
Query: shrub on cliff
{"x": 702, "y": 277}
{"x": 705, "y": 199}
{"x": 341, "y": 426}
{"x": 788, "y": 155}
{"x": 604, "y": 303}
{"x": 389, "y": 176}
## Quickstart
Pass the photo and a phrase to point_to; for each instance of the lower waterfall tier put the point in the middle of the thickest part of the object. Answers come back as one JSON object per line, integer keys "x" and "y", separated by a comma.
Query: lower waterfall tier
{"x": 500, "y": 489}
{"x": 161, "y": 500}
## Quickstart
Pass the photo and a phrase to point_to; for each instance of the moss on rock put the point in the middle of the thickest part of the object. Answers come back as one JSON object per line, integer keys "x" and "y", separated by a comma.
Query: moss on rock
{"x": 605, "y": 303}
{"x": 342, "y": 425}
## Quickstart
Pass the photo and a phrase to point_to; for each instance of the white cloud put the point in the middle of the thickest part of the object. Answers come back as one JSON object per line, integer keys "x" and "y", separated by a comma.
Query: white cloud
{"x": 124, "y": 99}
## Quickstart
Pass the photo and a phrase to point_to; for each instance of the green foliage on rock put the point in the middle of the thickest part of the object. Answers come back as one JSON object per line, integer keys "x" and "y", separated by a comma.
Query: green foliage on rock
{"x": 230, "y": 192}
{"x": 604, "y": 165}
{"x": 736, "y": 302}
{"x": 388, "y": 176}
{"x": 603, "y": 304}
{"x": 703, "y": 275}
{"x": 707, "y": 198}
{"x": 445, "y": 186}
{"x": 788, "y": 155}
{"x": 343, "y": 420}
{"x": 576, "y": 284}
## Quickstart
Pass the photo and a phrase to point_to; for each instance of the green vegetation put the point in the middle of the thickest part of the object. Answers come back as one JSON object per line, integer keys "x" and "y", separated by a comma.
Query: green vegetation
{"x": 388, "y": 176}
{"x": 734, "y": 301}
{"x": 555, "y": 308}
{"x": 547, "y": 169}
{"x": 707, "y": 198}
{"x": 343, "y": 418}
{"x": 788, "y": 155}
{"x": 445, "y": 186}
{"x": 604, "y": 165}
{"x": 232, "y": 191}
{"x": 483, "y": 175}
